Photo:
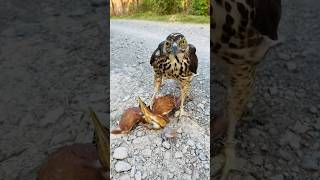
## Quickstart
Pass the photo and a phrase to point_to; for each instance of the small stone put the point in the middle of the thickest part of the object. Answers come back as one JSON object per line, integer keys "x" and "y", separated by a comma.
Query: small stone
{"x": 191, "y": 143}
{"x": 133, "y": 171}
{"x": 202, "y": 156}
{"x": 284, "y": 56}
{"x": 170, "y": 175}
{"x": 256, "y": 132}
{"x": 257, "y": 160}
{"x": 300, "y": 128}
{"x": 140, "y": 133}
{"x": 291, "y": 66}
{"x": 273, "y": 91}
{"x": 120, "y": 153}
{"x": 285, "y": 155}
{"x": 157, "y": 141}
{"x": 60, "y": 138}
{"x": 122, "y": 166}
{"x": 198, "y": 145}
{"x": 264, "y": 147}
{"x": 167, "y": 155}
{"x": 52, "y": 117}
{"x": 179, "y": 130}
{"x": 187, "y": 177}
{"x": 185, "y": 149}
{"x": 166, "y": 144}
{"x": 178, "y": 155}
{"x": 187, "y": 170}
{"x": 77, "y": 13}
{"x": 310, "y": 161}
{"x": 313, "y": 110}
{"x": 147, "y": 152}
{"x": 144, "y": 175}
{"x": 201, "y": 106}
{"x": 138, "y": 176}
{"x": 291, "y": 139}
{"x": 248, "y": 177}
{"x": 277, "y": 177}
{"x": 124, "y": 177}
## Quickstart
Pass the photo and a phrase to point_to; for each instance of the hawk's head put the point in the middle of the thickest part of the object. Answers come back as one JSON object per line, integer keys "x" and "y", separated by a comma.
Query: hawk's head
{"x": 175, "y": 43}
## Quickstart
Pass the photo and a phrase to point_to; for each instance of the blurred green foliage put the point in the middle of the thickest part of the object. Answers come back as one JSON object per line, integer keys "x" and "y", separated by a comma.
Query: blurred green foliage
{"x": 200, "y": 7}
{"x": 167, "y": 7}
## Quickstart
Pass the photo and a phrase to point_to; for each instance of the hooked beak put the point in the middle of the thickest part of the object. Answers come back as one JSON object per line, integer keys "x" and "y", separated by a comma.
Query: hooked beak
{"x": 174, "y": 49}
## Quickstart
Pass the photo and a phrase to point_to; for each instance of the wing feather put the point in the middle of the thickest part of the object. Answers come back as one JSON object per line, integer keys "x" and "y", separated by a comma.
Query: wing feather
{"x": 156, "y": 53}
{"x": 193, "y": 59}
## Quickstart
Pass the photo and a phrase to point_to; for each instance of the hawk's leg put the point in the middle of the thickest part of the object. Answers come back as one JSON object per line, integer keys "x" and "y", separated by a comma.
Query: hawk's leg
{"x": 157, "y": 85}
{"x": 238, "y": 92}
{"x": 185, "y": 86}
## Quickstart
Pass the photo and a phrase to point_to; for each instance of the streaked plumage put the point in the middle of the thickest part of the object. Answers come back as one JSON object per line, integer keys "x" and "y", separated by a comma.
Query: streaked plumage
{"x": 175, "y": 59}
{"x": 241, "y": 34}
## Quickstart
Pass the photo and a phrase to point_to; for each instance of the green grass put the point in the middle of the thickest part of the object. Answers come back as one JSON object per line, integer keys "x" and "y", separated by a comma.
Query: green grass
{"x": 150, "y": 16}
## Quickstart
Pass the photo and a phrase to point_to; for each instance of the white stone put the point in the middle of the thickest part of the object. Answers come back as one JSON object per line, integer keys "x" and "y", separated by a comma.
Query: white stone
{"x": 147, "y": 152}
{"x": 178, "y": 155}
{"x": 120, "y": 153}
{"x": 138, "y": 176}
{"x": 122, "y": 166}
{"x": 166, "y": 145}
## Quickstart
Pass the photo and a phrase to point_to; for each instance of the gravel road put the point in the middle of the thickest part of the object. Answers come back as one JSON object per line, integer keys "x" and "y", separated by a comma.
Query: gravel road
{"x": 280, "y": 138}
{"x": 144, "y": 152}
{"x": 53, "y": 66}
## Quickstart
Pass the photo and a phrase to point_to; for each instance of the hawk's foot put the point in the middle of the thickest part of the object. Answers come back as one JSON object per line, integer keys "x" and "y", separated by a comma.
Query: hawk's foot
{"x": 225, "y": 162}
{"x": 180, "y": 113}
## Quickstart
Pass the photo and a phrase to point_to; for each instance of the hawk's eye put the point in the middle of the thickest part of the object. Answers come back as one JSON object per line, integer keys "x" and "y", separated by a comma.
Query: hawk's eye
{"x": 183, "y": 42}
{"x": 167, "y": 44}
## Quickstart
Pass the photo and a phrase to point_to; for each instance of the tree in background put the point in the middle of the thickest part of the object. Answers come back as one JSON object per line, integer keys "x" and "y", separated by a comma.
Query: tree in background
{"x": 200, "y": 7}
{"x": 162, "y": 7}
{"x": 168, "y": 6}
{"x": 186, "y": 6}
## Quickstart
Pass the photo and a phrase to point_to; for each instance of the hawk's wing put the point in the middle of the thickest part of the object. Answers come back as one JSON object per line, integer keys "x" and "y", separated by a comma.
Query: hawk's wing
{"x": 267, "y": 17}
{"x": 156, "y": 53}
{"x": 193, "y": 59}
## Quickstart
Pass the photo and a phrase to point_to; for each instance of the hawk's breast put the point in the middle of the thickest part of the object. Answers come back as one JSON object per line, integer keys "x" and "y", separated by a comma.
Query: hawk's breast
{"x": 174, "y": 67}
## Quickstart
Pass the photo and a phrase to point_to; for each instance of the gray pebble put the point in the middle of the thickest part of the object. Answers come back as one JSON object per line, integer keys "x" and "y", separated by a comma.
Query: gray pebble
{"x": 147, "y": 152}
{"x": 167, "y": 155}
{"x": 198, "y": 145}
{"x": 310, "y": 161}
{"x": 178, "y": 155}
{"x": 291, "y": 139}
{"x": 202, "y": 156}
{"x": 138, "y": 176}
{"x": 51, "y": 116}
{"x": 291, "y": 66}
{"x": 122, "y": 166}
{"x": 166, "y": 144}
{"x": 313, "y": 110}
{"x": 140, "y": 133}
{"x": 277, "y": 177}
{"x": 120, "y": 153}
{"x": 124, "y": 177}
{"x": 191, "y": 143}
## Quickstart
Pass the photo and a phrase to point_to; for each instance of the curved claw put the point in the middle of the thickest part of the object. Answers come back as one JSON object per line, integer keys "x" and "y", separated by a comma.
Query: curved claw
{"x": 226, "y": 164}
{"x": 180, "y": 113}
{"x": 152, "y": 126}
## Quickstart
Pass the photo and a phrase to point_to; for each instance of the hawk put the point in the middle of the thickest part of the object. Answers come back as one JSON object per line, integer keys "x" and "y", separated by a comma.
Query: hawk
{"x": 174, "y": 59}
{"x": 241, "y": 33}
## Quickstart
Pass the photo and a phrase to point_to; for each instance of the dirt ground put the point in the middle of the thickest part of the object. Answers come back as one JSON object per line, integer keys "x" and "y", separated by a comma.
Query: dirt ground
{"x": 279, "y": 139}
{"x": 53, "y": 66}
